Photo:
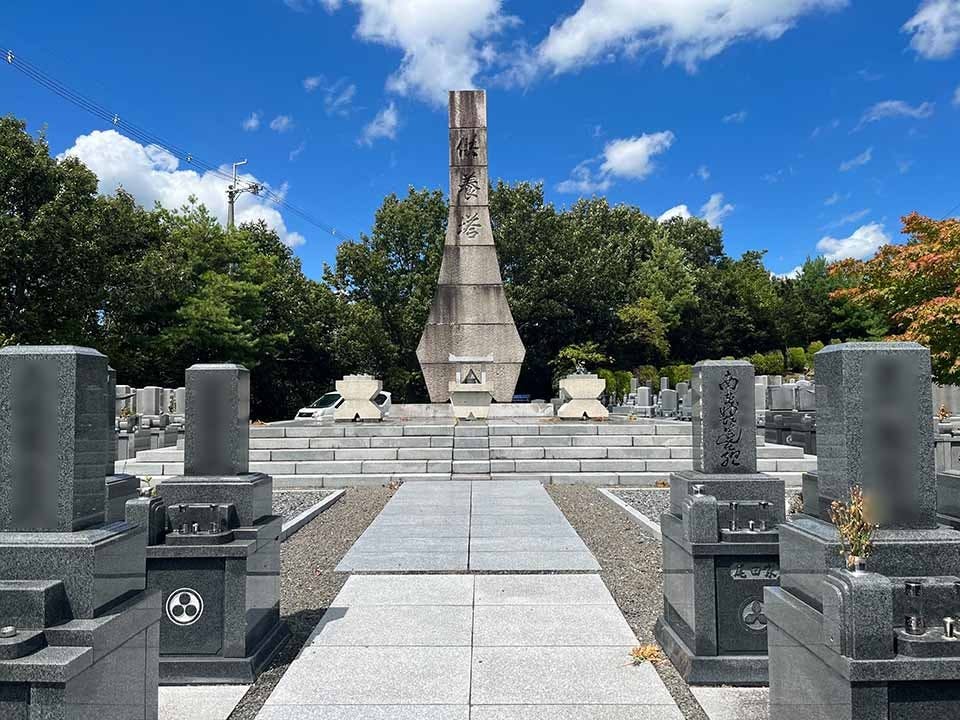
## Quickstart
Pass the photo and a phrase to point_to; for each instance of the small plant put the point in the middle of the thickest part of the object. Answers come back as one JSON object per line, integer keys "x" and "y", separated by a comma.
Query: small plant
{"x": 172, "y": 405}
{"x": 796, "y": 504}
{"x": 147, "y": 486}
{"x": 662, "y": 483}
{"x": 855, "y": 526}
{"x": 125, "y": 411}
{"x": 943, "y": 413}
{"x": 650, "y": 653}
{"x": 394, "y": 484}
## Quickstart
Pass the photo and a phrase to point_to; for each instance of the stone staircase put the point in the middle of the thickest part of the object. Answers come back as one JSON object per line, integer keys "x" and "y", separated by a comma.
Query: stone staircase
{"x": 634, "y": 454}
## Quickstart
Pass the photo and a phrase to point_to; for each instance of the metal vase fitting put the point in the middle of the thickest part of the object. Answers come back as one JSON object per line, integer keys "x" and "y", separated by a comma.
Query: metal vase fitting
{"x": 949, "y": 628}
{"x": 913, "y": 622}
{"x": 857, "y": 564}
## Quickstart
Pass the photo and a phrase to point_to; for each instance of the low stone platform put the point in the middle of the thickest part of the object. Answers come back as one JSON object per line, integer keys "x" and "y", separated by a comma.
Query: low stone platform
{"x": 618, "y": 452}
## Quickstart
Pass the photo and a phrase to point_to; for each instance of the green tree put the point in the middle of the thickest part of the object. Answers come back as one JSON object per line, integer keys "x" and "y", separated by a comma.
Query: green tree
{"x": 393, "y": 272}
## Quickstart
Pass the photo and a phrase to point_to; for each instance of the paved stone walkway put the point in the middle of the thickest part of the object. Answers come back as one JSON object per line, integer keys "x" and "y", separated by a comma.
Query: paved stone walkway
{"x": 465, "y": 647}
{"x": 470, "y": 647}
{"x": 459, "y": 526}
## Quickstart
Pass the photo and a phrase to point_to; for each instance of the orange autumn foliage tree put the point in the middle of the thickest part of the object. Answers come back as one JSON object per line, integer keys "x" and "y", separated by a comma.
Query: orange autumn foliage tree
{"x": 916, "y": 286}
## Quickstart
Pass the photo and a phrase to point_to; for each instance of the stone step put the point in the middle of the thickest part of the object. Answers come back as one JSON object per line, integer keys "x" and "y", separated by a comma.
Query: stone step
{"x": 470, "y": 431}
{"x": 471, "y": 454}
{"x": 471, "y": 443}
{"x": 471, "y": 467}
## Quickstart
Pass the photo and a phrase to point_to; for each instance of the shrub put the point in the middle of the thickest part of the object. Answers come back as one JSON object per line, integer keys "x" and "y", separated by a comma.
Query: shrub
{"x": 647, "y": 375}
{"x": 796, "y": 359}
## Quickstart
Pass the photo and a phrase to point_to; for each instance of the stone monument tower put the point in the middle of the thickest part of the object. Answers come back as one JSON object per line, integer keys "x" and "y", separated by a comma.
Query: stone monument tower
{"x": 470, "y": 322}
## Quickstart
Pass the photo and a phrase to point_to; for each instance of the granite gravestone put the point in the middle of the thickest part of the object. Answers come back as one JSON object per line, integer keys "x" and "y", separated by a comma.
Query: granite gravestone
{"x": 720, "y": 537}
{"x": 84, "y": 632}
{"x": 215, "y": 553}
{"x": 868, "y": 644}
{"x": 469, "y": 315}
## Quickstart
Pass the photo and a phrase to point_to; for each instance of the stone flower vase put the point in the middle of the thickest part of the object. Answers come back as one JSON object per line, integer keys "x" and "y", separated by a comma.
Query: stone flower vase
{"x": 856, "y": 564}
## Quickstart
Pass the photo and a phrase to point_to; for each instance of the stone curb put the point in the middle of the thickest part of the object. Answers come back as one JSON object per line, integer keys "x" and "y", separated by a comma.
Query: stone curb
{"x": 647, "y": 525}
{"x": 291, "y": 526}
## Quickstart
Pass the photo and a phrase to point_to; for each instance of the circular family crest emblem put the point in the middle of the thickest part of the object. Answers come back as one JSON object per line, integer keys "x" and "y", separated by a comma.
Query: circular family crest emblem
{"x": 751, "y": 613}
{"x": 184, "y": 606}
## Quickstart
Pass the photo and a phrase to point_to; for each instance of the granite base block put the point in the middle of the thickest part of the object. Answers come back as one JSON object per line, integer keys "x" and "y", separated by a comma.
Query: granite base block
{"x": 710, "y": 669}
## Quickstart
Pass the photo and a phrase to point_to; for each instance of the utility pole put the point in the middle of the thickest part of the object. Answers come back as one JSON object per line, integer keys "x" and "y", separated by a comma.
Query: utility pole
{"x": 235, "y": 189}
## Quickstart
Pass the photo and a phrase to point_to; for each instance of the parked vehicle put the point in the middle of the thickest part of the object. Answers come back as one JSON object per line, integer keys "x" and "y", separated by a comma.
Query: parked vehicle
{"x": 326, "y": 405}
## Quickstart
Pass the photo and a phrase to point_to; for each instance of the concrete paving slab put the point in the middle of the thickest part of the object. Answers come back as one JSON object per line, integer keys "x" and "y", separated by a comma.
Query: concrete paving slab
{"x": 394, "y": 626}
{"x": 732, "y": 703}
{"x": 564, "y": 676}
{"x": 541, "y": 590}
{"x": 550, "y": 626}
{"x": 533, "y": 561}
{"x": 376, "y": 676}
{"x": 536, "y": 542}
{"x": 575, "y": 712}
{"x": 199, "y": 702}
{"x": 407, "y": 561}
{"x": 381, "y": 543}
{"x": 365, "y": 712}
{"x": 371, "y": 590}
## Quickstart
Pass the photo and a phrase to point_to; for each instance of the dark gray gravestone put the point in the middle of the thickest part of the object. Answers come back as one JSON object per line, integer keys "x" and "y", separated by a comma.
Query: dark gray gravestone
{"x": 875, "y": 429}
{"x": 217, "y": 434}
{"x": 53, "y": 420}
{"x": 724, "y": 421}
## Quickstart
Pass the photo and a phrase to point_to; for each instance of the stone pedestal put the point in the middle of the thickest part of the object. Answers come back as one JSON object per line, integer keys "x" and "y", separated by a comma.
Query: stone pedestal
{"x": 214, "y": 553}
{"x": 470, "y": 401}
{"x": 358, "y": 392}
{"x": 469, "y": 315}
{"x": 838, "y": 646}
{"x": 581, "y": 393}
{"x": 720, "y": 538}
{"x": 72, "y": 580}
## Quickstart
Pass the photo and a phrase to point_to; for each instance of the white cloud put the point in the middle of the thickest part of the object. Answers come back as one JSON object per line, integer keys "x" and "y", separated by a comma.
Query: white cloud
{"x": 295, "y": 153}
{"x": 790, "y": 274}
{"x": 895, "y": 108}
{"x": 152, "y": 175}
{"x": 252, "y": 122}
{"x": 337, "y": 96}
{"x": 680, "y": 211}
{"x": 340, "y": 98}
{"x": 703, "y": 172}
{"x": 956, "y": 97}
{"x": 305, "y": 5}
{"x": 935, "y": 29}
{"x": 715, "y": 210}
{"x": 689, "y": 31}
{"x": 863, "y": 243}
{"x": 633, "y": 157}
{"x": 443, "y": 42}
{"x": 820, "y": 129}
{"x": 861, "y": 159}
{"x": 582, "y": 181}
{"x": 847, "y": 219}
{"x": 737, "y": 117}
{"x": 630, "y": 158}
{"x": 834, "y": 199}
{"x": 281, "y": 123}
{"x": 384, "y": 125}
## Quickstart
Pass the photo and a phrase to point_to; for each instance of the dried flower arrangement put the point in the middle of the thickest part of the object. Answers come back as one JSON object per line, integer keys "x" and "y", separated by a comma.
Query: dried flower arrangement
{"x": 855, "y": 526}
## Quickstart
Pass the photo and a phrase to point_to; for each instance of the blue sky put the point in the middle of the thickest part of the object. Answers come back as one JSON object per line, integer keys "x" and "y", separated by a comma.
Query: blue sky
{"x": 795, "y": 124}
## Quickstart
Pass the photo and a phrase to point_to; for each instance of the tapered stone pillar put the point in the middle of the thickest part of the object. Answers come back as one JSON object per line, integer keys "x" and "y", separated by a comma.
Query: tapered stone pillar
{"x": 470, "y": 316}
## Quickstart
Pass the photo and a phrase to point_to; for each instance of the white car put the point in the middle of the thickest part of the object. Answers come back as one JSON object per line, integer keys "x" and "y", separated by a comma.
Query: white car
{"x": 325, "y": 406}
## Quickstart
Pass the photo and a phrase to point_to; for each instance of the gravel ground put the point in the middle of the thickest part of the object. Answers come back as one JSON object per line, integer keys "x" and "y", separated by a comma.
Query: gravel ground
{"x": 631, "y": 569}
{"x": 308, "y": 583}
{"x": 290, "y": 503}
{"x": 652, "y": 503}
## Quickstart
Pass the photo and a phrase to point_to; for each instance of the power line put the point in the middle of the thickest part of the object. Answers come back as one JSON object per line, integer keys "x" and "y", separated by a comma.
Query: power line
{"x": 148, "y": 138}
